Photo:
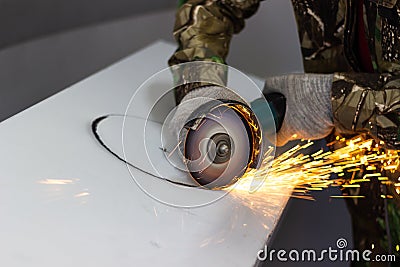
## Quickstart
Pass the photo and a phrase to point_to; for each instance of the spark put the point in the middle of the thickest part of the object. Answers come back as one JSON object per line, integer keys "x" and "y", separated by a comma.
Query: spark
{"x": 83, "y": 194}
{"x": 175, "y": 148}
{"x": 56, "y": 181}
{"x": 155, "y": 211}
{"x": 345, "y": 196}
{"x": 296, "y": 174}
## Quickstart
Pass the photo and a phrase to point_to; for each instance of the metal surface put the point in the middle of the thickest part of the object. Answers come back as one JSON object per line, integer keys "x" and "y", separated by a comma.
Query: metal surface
{"x": 65, "y": 201}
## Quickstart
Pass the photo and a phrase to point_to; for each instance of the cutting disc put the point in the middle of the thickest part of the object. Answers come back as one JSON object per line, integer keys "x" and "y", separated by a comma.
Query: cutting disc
{"x": 218, "y": 147}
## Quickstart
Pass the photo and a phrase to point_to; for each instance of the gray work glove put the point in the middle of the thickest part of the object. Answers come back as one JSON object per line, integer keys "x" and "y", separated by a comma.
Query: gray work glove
{"x": 196, "y": 98}
{"x": 308, "y": 105}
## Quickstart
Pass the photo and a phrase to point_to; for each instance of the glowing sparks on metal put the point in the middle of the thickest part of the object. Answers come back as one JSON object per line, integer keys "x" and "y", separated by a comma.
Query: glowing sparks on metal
{"x": 296, "y": 174}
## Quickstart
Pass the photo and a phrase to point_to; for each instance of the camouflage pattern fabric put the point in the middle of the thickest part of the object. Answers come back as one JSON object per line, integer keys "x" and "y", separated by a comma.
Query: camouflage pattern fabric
{"x": 203, "y": 31}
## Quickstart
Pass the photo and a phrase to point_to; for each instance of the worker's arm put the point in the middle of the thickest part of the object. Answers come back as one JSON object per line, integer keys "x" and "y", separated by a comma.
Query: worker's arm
{"x": 203, "y": 30}
{"x": 367, "y": 103}
{"x": 352, "y": 103}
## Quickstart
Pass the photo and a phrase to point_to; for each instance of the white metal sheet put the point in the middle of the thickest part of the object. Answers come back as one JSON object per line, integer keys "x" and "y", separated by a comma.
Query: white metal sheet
{"x": 65, "y": 201}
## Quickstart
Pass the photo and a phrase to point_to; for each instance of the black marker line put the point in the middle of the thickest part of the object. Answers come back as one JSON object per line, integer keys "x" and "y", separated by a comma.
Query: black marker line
{"x": 95, "y": 126}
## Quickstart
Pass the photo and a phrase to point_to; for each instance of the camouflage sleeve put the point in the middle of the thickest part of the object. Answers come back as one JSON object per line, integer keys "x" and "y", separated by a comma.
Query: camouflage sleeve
{"x": 204, "y": 28}
{"x": 368, "y": 103}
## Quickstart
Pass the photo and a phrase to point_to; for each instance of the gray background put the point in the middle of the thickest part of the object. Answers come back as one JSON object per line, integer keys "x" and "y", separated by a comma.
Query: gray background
{"x": 22, "y": 20}
{"x": 47, "y": 45}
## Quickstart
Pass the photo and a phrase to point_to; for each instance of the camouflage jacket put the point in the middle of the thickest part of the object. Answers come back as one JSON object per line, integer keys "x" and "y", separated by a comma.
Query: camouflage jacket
{"x": 362, "y": 102}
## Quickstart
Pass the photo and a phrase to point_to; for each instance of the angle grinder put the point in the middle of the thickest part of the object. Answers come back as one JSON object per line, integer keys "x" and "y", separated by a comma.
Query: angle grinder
{"x": 224, "y": 138}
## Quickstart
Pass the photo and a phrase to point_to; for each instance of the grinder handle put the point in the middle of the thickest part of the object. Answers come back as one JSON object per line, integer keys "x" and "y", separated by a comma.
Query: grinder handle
{"x": 277, "y": 105}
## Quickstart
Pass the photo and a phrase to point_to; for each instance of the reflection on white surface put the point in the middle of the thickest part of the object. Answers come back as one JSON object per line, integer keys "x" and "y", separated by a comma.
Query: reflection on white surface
{"x": 64, "y": 189}
{"x": 57, "y": 181}
{"x": 83, "y": 194}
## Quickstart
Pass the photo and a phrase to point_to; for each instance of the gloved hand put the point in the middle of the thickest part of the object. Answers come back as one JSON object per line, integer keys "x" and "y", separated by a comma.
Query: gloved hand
{"x": 196, "y": 98}
{"x": 308, "y": 105}
{"x": 197, "y": 83}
